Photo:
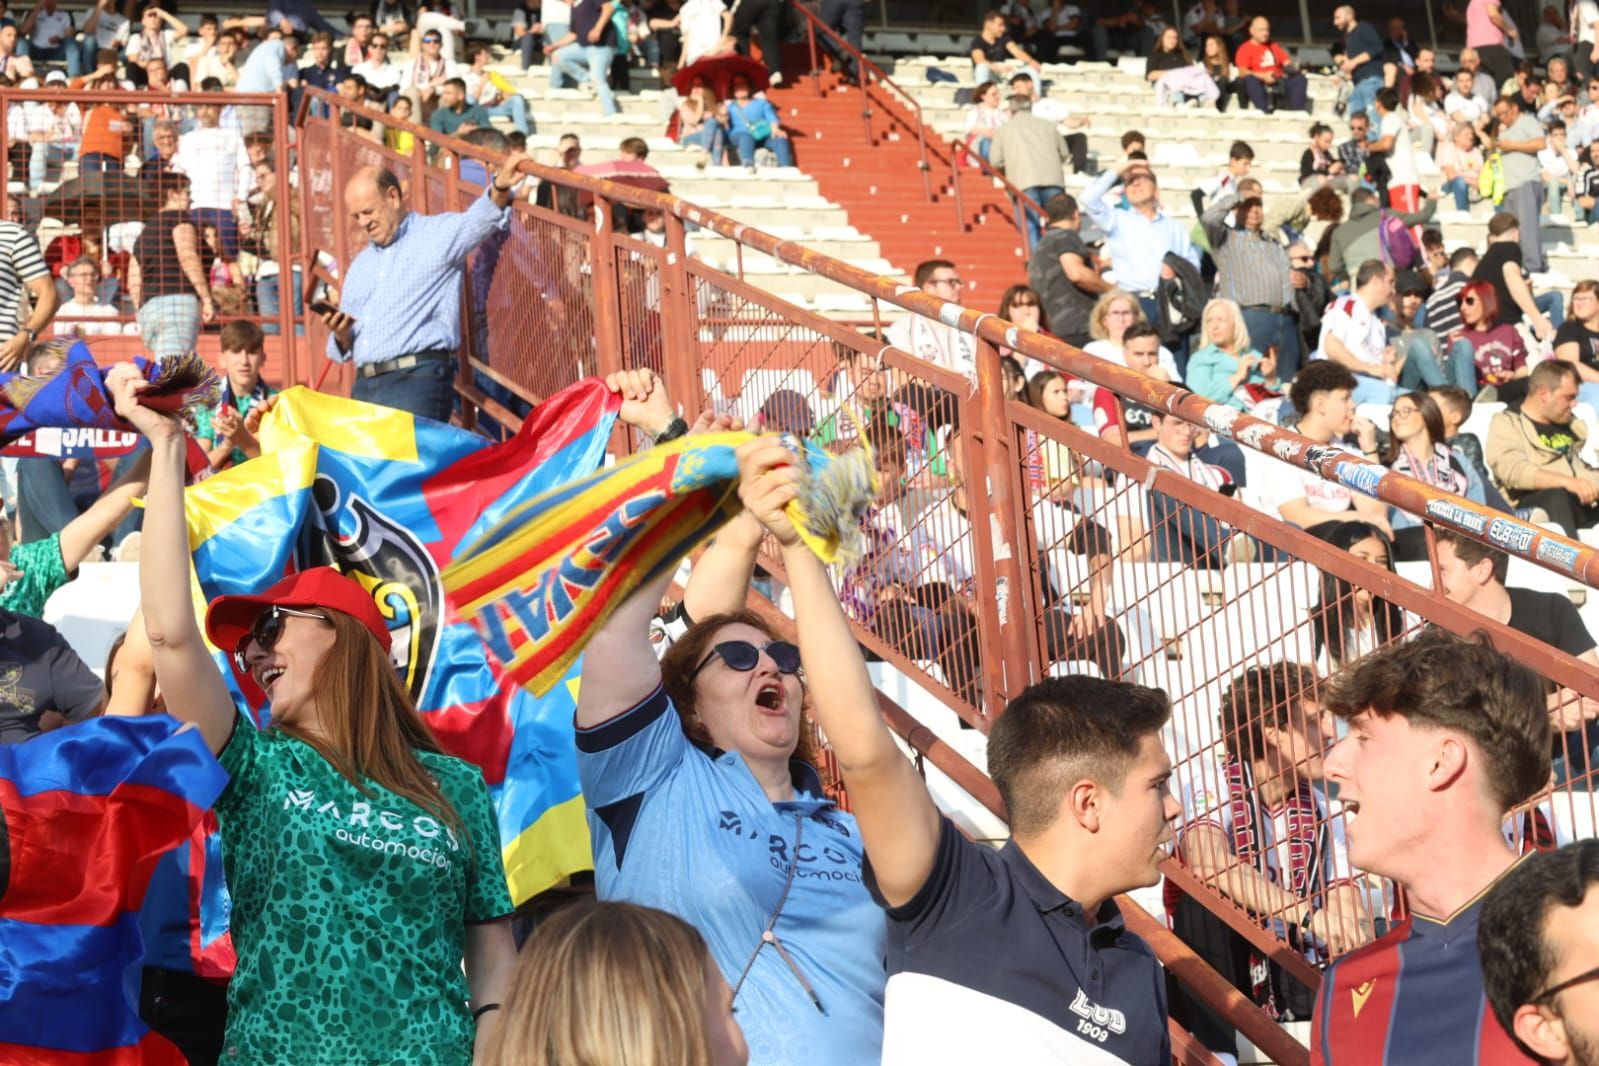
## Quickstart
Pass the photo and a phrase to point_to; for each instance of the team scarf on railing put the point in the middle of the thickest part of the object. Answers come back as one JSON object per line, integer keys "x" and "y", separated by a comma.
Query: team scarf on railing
{"x": 386, "y": 498}
{"x": 542, "y": 581}
{"x": 75, "y": 397}
{"x": 85, "y": 812}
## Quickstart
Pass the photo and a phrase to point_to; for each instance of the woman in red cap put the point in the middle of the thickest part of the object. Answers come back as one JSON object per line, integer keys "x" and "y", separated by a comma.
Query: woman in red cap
{"x": 364, "y": 864}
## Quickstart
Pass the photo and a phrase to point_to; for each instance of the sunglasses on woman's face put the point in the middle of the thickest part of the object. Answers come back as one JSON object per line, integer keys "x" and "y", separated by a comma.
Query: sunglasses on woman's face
{"x": 1023, "y": 303}
{"x": 742, "y": 656}
{"x": 266, "y": 633}
{"x": 1468, "y": 301}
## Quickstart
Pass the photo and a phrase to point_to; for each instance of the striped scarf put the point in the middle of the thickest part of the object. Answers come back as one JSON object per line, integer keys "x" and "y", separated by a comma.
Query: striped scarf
{"x": 1307, "y": 843}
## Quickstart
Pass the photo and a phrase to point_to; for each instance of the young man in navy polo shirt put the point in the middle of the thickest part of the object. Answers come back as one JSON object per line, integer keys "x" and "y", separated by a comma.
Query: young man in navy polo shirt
{"x": 1445, "y": 736}
{"x": 1017, "y": 955}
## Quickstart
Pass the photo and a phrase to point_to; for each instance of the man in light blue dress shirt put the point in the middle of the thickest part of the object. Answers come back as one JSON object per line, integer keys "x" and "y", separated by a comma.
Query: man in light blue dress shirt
{"x": 1139, "y": 236}
{"x": 399, "y": 316}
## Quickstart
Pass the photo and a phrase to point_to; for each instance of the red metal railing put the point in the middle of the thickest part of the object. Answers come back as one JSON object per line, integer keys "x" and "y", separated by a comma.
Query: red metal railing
{"x": 597, "y": 299}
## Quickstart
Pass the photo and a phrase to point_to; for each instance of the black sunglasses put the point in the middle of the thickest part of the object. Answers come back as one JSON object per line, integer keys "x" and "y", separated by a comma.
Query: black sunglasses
{"x": 266, "y": 632}
{"x": 742, "y": 656}
{"x": 1554, "y": 990}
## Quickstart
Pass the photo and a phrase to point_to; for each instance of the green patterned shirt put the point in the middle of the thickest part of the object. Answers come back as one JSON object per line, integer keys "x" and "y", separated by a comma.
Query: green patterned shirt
{"x": 43, "y": 571}
{"x": 350, "y": 908}
{"x": 202, "y": 419}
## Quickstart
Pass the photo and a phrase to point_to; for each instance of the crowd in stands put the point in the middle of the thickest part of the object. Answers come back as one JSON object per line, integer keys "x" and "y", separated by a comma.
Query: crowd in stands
{"x": 1335, "y": 310}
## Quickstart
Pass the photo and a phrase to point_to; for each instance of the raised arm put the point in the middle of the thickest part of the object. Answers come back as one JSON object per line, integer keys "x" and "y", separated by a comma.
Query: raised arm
{"x": 184, "y": 669}
{"x": 720, "y": 580}
{"x": 899, "y": 824}
{"x": 79, "y": 536}
{"x": 131, "y": 686}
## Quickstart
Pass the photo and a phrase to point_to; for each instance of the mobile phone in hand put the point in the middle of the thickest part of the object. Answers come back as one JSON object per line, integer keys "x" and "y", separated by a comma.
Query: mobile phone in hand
{"x": 322, "y": 307}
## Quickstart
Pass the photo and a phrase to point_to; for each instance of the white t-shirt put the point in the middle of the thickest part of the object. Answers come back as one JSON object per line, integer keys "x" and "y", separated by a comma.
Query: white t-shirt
{"x": 1351, "y": 321}
{"x": 937, "y": 343}
{"x": 1553, "y": 162}
{"x": 556, "y": 12}
{"x": 1584, "y": 13}
{"x": 1402, "y": 157}
{"x": 112, "y": 30}
{"x": 48, "y": 24}
{"x": 1296, "y": 483}
{"x": 1061, "y": 21}
{"x": 1113, "y": 352}
{"x": 73, "y": 309}
{"x": 1470, "y": 108}
{"x": 218, "y": 167}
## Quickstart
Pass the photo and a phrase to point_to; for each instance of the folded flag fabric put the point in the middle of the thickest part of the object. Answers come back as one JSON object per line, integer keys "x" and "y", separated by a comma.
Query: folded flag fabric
{"x": 387, "y": 498}
{"x": 75, "y": 396}
{"x": 543, "y": 580}
{"x": 87, "y": 811}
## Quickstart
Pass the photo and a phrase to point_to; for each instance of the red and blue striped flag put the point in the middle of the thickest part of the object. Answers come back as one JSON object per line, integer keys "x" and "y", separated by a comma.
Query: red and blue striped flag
{"x": 88, "y": 810}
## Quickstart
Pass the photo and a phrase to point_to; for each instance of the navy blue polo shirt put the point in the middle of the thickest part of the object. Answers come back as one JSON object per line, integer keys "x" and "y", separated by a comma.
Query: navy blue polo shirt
{"x": 989, "y": 962}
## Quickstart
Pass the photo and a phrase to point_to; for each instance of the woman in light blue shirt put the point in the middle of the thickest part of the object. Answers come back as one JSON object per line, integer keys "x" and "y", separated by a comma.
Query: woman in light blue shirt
{"x": 1227, "y": 370}
{"x": 754, "y": 124}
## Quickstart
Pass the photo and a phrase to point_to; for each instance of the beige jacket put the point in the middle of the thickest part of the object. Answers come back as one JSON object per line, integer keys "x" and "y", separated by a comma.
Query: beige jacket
{"x": 1031, "y": 152}
{"x": 1514, "y": 453}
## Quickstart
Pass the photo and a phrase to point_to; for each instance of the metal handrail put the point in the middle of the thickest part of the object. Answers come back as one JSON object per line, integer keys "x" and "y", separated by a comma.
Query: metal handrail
{"x": 958, "y": 151}
{"x": 863, "y": 67}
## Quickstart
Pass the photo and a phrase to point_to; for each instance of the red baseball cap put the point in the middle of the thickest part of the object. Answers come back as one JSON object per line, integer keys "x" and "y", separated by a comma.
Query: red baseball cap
{"x": 229, "y": 619}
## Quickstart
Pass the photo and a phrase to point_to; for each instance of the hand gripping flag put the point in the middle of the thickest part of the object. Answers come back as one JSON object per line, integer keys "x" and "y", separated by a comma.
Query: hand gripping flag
{"x": 387, "y": 498}
{"x": 75, "y": 396}
{"x": 543, "y": 580}
{"x": 87, "y": 810}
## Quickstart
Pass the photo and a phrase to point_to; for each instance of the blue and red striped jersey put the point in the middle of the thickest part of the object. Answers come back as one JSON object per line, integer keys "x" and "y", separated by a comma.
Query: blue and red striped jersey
{"x": 1415, "y": 996}
{"x": 184, "y": 920}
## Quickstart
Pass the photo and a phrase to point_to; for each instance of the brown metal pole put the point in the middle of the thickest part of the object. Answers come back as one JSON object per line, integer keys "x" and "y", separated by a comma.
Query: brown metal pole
{"x": 296, "y": 353}
{"x": 607, "y": 293}
{"x": 679, "y": 320}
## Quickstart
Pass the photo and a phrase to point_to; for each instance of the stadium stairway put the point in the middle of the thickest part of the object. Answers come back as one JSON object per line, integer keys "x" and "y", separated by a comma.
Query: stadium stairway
{"x": 874, "y": 171}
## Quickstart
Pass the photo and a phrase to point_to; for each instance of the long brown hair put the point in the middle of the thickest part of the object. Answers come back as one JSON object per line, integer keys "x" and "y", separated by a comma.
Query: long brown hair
{"x": 602, "y": 983}
{"x": 370, "y": 722}
{"x": 685, "y": 656}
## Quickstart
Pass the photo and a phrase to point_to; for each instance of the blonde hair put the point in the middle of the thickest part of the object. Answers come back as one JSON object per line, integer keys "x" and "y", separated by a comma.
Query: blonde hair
{"x": 1238, "y": 341}
{"x": 1096, "y": 318}
{"x": 604, "y": 984}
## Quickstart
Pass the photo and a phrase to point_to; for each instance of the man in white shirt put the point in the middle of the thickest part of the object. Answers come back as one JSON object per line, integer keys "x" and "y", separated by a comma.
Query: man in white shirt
{"x": 50, "y": 35}
{"x": 382, "y": 77}
{"x": 159, "y": 32}
{"x": 83, "y": 275}
{"x": 104, "y": 29}
{"x": 220, "y": 176}
{"x": 1463, "y": 105}
{"x": 1354, "y": 337}
{"x": 1393, "y": 140}
{"x": 931, "y": 340}
{"x": 1585, "y": 37}
{"x": 1324, "y": 395}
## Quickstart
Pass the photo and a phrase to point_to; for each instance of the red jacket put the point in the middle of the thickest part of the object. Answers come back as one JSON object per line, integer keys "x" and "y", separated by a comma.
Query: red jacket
{"x": 1253, "y": 58}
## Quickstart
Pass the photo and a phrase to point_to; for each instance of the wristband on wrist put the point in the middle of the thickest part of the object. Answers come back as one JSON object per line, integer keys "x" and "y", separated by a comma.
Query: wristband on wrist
{"x": 674, "y": 429}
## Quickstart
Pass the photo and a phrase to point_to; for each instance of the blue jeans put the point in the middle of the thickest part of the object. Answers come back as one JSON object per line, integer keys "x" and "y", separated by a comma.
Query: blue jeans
{"x": 427, "y": 390}
{"x": 1461, "y": 189}
{"x": 528, "y": 46}
{"x": 1363, "y": 97}
{"x": 1551, "y": 304}
{"x": 170, "y": 325}
{"x": 1463, "y": 367}
{"x": 266, "y": 298}
{"x": 1422, "y": 369}
{"x": 710, "y": 137}
{"x": 983, "y": 145}
{"x": 590, "y": 62}
{"x": 45, "y": 158}
{"x": 1374, "y": 390}
{"x": 99, "y": 162}
{"x": 554, "y": 31}
{"x": 746, "y": 144}
{"x": 1041, "y": 195}
{"x": 1272, "y": 329}
{"x": 514, "y": 108}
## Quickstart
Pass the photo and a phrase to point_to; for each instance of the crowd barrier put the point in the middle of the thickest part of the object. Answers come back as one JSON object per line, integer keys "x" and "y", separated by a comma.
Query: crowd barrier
{"x": 1026, "y": 547}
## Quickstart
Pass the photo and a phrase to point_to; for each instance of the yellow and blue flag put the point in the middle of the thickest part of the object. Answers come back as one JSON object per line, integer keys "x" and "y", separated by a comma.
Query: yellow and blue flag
{"x": 388, "y": 499}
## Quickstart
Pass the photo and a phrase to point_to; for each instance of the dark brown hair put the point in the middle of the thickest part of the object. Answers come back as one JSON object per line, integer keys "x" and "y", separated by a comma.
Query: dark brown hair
{"x": 1443, "y": 681}
{"x": 1471, "y": 552}
{"x": 1259, "y": 697}
{"x": 1063, "y": 730}
{"x": 684, "y": 657}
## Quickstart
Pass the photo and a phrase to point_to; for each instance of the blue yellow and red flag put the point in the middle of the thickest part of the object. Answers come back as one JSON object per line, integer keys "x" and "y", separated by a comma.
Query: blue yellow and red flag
{"x": 388, "y": 498}
{"x": 85, "y": 812}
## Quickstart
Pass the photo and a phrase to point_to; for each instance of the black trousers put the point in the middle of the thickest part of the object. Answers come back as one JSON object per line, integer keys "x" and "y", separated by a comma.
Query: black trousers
{"x": 1564, "y": 509}
{"x": 1498, "y": 62}
{"x": 764, "y": 17}
{"x": 190, "y": 1012}
{"x": 847, "y": 18}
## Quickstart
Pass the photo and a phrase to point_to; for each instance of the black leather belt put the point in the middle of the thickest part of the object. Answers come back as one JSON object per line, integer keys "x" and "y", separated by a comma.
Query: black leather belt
{"x": 405, "y": 362}
{"x": 1267, "y": 310}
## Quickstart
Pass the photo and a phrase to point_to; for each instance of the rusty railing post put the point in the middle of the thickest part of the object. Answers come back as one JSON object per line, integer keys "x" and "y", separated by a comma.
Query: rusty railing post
{"x": 679, "y": 320}
{"x": 296, "y": 355}
{"x": 607, "y": 293}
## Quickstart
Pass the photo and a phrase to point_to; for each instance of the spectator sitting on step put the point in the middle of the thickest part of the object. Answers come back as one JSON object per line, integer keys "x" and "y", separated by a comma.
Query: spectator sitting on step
{"x": 928, "y": 338}
{"x": 1253, "y": 272}
{"x": 699, "y": 122}
{"x": 1460, "y": 161}
{"x": 1585, "y": 202}
{"x": 381, "y": 77}
{"x": 1130, "y": 423}
{"x": 1226, "y": 369}
{"x": 1176, "y": 77}
{"x": 1495, "y": 351}
{"x": 984, "y": 118}
{"x": 1052, "y": 110}
{"x": 1354, "y": 336}
{"x": 754, "y": 124}
{"x": 1454, "y": 407}
{"x": 1502, "y": 265}
{"x": 74, "y": 318}
{"x": 1273, "y": 844}
{"x": 490, "y": 91}
{"x": 1416, "y": 448}
{"x": 1322, "y": 394}
{"x": 455, "y": 114}
{"x": 1022, "y": 306}
{"x": 1473, "y": 575}
{"x": 995, "y": 52}
{"x": 1214, "y": 57}
{"x": 1269, "y": 75}
{"x": 1319, "y": 165}
{"x": 1032, "y": 155}
{"x": 1113, "y": 315}
{"x": 1535, "y": 450}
